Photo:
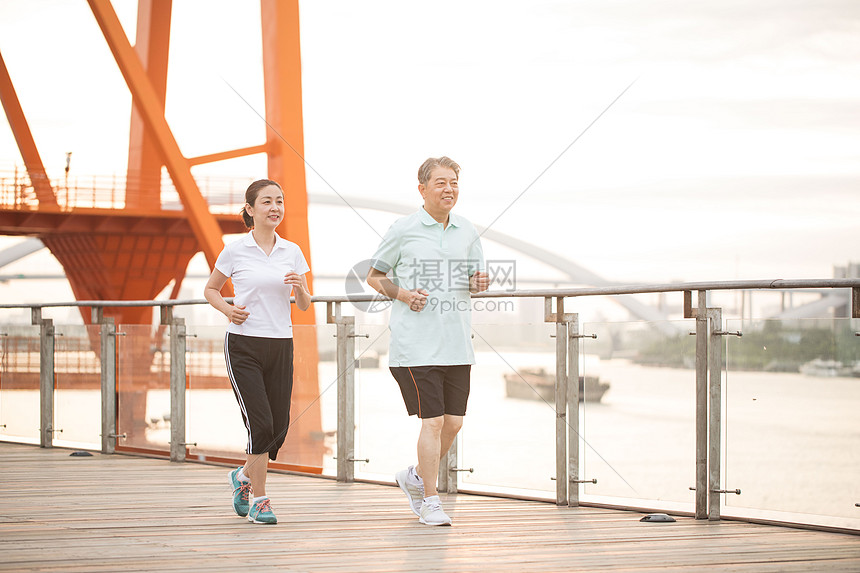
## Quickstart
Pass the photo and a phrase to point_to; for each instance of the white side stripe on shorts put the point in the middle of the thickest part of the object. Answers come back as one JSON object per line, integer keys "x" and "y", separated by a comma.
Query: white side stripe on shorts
{"x": 238, "y": 394}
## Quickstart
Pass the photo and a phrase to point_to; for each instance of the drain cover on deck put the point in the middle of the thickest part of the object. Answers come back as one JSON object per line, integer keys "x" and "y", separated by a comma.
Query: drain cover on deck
{"x": 658, "y": 518}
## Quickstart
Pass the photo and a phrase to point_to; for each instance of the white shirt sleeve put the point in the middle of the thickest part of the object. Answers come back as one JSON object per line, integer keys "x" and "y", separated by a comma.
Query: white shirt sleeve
{"x": 300, "y": 264}
{"x": 224, "y": 262}
{"x": 388, "y": 253}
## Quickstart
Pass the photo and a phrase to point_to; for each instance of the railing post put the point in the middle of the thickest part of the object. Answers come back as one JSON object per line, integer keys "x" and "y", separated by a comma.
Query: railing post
{"x": 447, "y": 481}
{"x": 855, "y": 302}
{"x": 442, "y": 477}
{"x": 715, "y": 412}
{"x": 561, "y": 384}
{"x": 345, "y": 391}
{"x": 702, "y": 406}
{"x": 573, "y": 411}
{"x": 46, "y": 377}
{"x": 346, "y": 399}
{"x": 177, "y": 389}
{"x": 107, "y": 336}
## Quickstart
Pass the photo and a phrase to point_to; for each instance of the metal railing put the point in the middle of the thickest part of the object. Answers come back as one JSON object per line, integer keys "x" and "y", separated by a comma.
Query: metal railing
{"x": 709, "y": 333}
{"x": 223, "y": 194}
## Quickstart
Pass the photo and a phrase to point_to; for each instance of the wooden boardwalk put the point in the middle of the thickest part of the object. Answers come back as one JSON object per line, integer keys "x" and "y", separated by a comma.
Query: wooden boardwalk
{"x": 122, "y": 513}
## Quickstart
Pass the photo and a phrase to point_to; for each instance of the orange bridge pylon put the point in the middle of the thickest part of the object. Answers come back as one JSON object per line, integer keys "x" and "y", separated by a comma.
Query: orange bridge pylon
{"x": 129, "y": 247}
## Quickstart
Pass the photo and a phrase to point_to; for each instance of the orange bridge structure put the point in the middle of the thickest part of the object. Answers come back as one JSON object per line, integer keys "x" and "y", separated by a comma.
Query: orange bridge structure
{"x": 129, "y": 245}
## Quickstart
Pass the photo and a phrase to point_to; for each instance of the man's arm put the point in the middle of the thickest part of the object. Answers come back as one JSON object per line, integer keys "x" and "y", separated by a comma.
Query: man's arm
{"x": 379, "y": 281}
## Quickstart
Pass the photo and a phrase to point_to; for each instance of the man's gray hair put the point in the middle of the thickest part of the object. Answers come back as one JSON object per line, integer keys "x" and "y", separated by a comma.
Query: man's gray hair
{"x": 427, "y": 167}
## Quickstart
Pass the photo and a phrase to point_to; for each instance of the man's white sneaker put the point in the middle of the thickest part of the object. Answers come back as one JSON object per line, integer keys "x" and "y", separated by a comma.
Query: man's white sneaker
{"x": 431, "y": 512}
{"x": 414, "y": 491}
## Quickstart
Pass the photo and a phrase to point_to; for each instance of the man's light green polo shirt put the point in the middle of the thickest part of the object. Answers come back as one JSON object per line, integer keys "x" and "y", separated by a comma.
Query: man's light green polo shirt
{"x": 417, "y": 252}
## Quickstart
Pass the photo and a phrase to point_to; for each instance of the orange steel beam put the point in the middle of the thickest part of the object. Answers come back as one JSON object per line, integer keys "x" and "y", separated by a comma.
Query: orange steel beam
{"x": 205, "y": 228}
{"x": 213, "y": 157}
{"x": 282, "y": 73}
{"x": 152, "y": 45}
{"x": 24, "y": 139}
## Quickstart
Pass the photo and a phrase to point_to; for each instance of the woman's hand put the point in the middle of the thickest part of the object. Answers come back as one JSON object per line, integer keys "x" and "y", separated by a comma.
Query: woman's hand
{"x": 301, "y": 292}
{"x": 294, "y": 280}
{"x": 238, "y": 314}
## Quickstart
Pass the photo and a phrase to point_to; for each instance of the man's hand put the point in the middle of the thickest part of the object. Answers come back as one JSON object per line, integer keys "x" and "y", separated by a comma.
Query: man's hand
{"x": 414, "y": 299}
{"x": 479, "y": 282}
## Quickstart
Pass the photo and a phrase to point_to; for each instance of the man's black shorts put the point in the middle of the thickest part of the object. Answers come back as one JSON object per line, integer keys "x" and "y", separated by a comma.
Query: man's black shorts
{"x": 431, "y": 391}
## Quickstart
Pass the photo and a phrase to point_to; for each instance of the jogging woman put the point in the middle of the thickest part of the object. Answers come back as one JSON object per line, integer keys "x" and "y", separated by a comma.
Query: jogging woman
{"x": 265, "y": 269}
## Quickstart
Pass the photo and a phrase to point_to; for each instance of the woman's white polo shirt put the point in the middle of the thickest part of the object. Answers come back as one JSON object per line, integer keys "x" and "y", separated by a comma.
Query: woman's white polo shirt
{"x": 258, "y": 284}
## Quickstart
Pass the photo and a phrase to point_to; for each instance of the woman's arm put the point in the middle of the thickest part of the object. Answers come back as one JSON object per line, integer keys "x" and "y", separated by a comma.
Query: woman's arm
{"x": 303, "y": 295}
{"x": 300, "y": 289}
{"x": 212, "y": 293}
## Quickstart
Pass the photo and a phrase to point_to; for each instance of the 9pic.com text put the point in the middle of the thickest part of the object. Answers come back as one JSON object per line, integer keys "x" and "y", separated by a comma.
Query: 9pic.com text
{"x": 442, "y": 305}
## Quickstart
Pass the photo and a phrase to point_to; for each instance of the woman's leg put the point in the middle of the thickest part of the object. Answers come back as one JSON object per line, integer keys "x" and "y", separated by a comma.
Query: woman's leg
{"x": 244, "y": 356}
{"x": 278, "y": 377}
{"x": 256, "y": 468}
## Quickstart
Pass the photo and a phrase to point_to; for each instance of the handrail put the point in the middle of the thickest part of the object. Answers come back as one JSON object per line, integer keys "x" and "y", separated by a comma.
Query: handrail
{"x": 775, "y": 284}
{"x": 709, "y": 332}
{"x": 680, "y": 287}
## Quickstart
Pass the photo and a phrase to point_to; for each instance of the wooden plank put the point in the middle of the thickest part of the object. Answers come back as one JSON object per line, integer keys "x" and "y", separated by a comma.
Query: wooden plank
{"x": 107, "y": 513}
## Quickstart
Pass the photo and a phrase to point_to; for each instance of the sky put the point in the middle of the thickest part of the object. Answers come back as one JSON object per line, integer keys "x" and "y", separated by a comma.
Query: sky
{"x": 646, "y": 140}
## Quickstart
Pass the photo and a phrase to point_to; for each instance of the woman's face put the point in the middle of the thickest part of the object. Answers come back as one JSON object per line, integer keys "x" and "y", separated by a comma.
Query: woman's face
{"x": 268, "y": 208}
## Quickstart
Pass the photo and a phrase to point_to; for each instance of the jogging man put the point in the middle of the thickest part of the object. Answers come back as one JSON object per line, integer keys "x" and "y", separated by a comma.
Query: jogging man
{"x": 429, "y": 262}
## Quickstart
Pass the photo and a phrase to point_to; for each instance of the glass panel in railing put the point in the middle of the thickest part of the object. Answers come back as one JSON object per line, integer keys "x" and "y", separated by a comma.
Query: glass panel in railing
{"x": 792, "y": 429}
{"x": 304, "y": 447}
{"x": 213, "y": 425}
{"x": 638, "y": 413}
{"x": 384, "y": 433}
{"x": 143, "y": 389}
{"x": 77, "y": 395}
{"x": 19, "y": 383}
{"x": 327, "y": 391}
{"x": 508, "y": 435}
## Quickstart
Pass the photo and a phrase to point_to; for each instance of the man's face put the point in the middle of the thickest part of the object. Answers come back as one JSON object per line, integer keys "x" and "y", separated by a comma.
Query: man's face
{"x": 441, "y": 190}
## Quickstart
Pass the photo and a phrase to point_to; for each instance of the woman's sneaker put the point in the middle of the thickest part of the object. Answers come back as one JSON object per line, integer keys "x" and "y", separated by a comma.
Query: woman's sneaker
{"x": 241, "y": 493}
{"x": 431, "y": 512}
{"x": 261, "y": 512}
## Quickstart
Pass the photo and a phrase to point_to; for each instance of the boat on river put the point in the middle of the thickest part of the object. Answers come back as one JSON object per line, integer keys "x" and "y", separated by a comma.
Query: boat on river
{"x": 538, "y": 384}
{"x": 829, "y": 368}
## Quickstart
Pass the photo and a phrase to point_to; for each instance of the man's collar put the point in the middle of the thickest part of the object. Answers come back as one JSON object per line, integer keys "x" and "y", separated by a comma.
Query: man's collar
{"x": 428, "y": 219}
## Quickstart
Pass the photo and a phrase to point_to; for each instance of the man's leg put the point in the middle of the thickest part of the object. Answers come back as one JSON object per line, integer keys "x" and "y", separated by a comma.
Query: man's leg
{"x": 450, "y": 429}
{"x": 429, "y": 452}
{"x": 434, "y": 441}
